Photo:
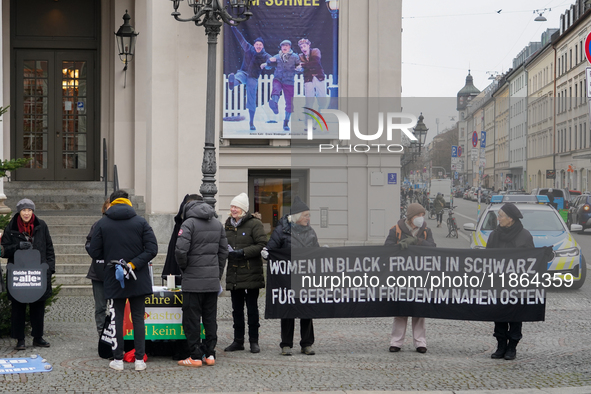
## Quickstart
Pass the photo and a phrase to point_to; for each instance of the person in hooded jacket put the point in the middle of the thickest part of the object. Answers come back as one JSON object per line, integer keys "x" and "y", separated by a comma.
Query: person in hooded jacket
{"x": 294, "y": 231}
{"x": 410, "y": 231}
{"x": 25, "y": 231}
{"x": 439, "y": 205}
{"x": 244, "y": 278}
{"x": 508, "y": 234}
{"x": 123, "y": 235}
{"x": 201, "y": 253}
{"x": 96, "y": 275}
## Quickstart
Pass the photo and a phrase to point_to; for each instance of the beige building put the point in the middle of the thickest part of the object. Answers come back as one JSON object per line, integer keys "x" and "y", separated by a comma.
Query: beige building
{"x": 501, "y": 97}
{"x": 152, "y": 117}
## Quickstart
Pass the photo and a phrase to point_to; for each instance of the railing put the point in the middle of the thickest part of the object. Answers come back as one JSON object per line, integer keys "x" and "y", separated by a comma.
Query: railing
{"x": 115, "y": 178}
{"x": 106, "y": 171}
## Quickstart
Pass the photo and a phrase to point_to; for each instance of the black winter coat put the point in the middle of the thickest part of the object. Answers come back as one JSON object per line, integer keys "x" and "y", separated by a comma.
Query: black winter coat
{"x": 96, "y": 271}
{"x": 425, "y": 236}
{"x": 246, "y": 273}
{"x": 287, "y": 235}
{"x": 122, "y": 234}
{"x": 201, "y": 249}
{"x": 513, "y": 237}
{"x": 42, "y": 242}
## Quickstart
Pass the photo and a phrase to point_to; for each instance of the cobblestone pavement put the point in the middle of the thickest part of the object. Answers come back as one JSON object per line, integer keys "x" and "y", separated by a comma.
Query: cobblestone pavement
{"x": 352, "y": 355}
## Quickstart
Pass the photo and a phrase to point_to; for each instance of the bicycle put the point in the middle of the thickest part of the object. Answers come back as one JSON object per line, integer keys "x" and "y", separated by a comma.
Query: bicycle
{"x": 452, "y": 226}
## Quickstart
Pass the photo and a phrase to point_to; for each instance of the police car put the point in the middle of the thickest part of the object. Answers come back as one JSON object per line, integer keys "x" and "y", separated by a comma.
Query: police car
{"x": 547, "y": 228}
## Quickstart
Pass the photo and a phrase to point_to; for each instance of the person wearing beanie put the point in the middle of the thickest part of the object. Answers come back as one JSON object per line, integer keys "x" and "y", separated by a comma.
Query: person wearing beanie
{"x": 244, "y": 277}
{"x": 286, "y": 64}
{"x": 508, "y": 234}
{"x": 294, "y": 231}
{"x": 255, "y": 59}
{"x": 27, "y": 231}
{"x": 411, "y": 230}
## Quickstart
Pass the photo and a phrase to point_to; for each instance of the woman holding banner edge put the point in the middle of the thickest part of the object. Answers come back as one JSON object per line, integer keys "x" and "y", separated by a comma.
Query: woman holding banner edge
{"x": 410, "y": 231}
{"x": 509, "y": 234}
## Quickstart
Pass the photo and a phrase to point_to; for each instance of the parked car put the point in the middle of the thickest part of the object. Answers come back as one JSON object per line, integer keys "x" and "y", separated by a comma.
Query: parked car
{"x": 559, "y": 198}
{"x": 547, "y": 229}
{"x": 486, "y": 195}
{"x": 580, "y": 212}
{"x": 574, "y": 194}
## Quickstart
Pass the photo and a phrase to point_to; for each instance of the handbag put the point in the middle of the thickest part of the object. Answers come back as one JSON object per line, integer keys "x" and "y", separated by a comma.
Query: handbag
{"x": 107, "y": 341}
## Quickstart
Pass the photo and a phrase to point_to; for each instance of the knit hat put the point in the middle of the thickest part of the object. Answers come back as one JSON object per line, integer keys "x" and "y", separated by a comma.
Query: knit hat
{"x": 259, "y": 39}
{"x": 240, "y": 201}
{"x": 298, "y": 206}
{"x": 414, "y": 209}
{"x": 285, "y": 42}
{"x": 24, "y": 204}
{"x": 512, "y": 211}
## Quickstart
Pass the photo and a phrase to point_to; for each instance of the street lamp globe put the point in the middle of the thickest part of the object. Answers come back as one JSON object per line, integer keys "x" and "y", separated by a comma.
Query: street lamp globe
{"x": 420, "y": 131}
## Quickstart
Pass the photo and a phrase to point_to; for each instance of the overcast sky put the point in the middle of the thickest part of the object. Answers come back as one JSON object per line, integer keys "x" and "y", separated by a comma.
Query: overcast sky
{"x": 441, "y": 40}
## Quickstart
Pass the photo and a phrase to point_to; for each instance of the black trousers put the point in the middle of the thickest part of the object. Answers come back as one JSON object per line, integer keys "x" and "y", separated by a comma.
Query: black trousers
{"x": 197, "y": 307}
{"x": 138, "y": 309}
{"x": 306, "y": 332}
{"x": 18, "y": 314}
{"x": 439, "y": 217}
{"x": 250, "y": 297}
{"x": 508, "y": 330}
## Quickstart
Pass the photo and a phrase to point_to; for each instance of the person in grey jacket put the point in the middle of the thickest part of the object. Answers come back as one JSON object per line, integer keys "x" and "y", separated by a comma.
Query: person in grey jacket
{"x": 201, "y": 252}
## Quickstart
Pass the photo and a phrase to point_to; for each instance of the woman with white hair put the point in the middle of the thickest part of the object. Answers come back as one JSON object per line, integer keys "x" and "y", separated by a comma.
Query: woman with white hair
{"x": 246, "y": 236}
{"x": 294, "y": 231}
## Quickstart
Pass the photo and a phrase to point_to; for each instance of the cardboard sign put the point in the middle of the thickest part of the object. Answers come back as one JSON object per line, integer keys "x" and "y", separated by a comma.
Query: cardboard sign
{"x": 27, "y": 277}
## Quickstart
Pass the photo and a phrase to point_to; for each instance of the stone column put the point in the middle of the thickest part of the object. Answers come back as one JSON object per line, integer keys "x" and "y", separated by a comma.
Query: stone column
{"x": 5, "y": 122}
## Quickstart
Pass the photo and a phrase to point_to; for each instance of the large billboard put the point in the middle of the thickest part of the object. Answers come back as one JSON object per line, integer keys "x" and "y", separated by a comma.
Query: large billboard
{"x": 286, "y": 50}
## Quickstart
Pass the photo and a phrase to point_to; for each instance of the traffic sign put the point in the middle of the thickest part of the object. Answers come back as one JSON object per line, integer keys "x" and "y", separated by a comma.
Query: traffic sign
{"x": 588, "y": 72}
{"x": 474, "y": 154}
{"x": 508, "y": 181}
{"x": 454, "y": 151}
{"x": 587, "y": 49}
{"x": 483, "y": 139}
{"x": 474, "y": 139}
{"x": 459, "y": 151}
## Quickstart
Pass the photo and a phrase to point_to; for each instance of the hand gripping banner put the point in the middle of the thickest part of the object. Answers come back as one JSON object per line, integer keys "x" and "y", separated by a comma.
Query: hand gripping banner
{"x": 380, "y": 281}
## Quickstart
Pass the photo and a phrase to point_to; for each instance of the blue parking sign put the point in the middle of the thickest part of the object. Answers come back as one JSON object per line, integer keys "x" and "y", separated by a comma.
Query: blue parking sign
{"x": 483, "y": 139}
{"x": 454, "y": 151}
{"x": 392, "y": 178}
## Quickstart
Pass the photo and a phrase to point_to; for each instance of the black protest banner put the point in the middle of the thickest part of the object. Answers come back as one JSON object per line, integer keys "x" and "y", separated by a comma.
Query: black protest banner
{"x": 27, "y": 277}
{"x": 379, "y": 281}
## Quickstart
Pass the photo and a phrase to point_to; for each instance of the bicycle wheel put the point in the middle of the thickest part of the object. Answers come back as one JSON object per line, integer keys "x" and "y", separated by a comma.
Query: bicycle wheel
{"x": 454, "y": 228}
{"x": 432, "y": 214}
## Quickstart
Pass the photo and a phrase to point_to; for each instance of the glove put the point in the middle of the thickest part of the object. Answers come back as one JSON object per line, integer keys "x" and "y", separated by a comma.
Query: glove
{"x": 25, "y": 245}
{"x": 408, "y": 241}
{"x": 120, "y": 275}
{"x": 237, "y": 254}
{"x": 265, "y": 253}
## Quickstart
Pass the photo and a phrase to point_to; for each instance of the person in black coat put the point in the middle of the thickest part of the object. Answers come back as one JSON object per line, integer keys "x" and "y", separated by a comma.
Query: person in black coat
{"x": 509, "y": 234}
{"x": 201, "y": 252}
{"x": 123, "y": 235}
{"x": 26, "y": 231}
{"x": 294, "y": 230}
{"x": 96, "y": 275}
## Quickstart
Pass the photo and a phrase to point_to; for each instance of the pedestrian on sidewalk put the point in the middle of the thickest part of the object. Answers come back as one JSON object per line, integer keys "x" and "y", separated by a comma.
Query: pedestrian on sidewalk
{"x": 122, "y": 234}
{"x": 294, "y": 231}
{"x": 439, "y": 205}
{"x": 201, "y": 252}
{"x": 509, "y": 234}
{"x": 244, "y": 278}
{"x": 27, "y": 231}
{"x": 410, "y": 231}
{"x": 96, "y": 274}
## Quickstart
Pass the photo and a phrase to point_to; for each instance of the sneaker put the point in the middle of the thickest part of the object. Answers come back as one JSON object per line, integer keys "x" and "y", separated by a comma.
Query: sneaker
{"x": 274, "y": 106}
{"x": 231, "y": 80}
{"x": 189, "y": 362}
{"x": 422, "y": 349}
{"x": 140, "y": 365}
{"x": 117, "y": 365}
{"x": 20, "y": 345}
{"x": 252, "y": 127}
{"x": 394, "y": 349}
{"x": 208, "y": 360}
{"x": 40, "y": 342}
{"x": 286, "y": 351}
{"x": 308, "y": 351}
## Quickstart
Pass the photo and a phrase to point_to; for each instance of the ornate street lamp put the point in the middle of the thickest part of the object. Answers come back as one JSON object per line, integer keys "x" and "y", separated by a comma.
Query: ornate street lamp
{"x": 126, "y": 43}
{"x": 420, "y": 131}
{"x": 212, "y": 14}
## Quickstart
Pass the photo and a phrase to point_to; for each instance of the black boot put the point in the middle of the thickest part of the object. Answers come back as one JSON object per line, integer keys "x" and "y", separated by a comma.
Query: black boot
{"x": 511, "y": 352}
{"x": 236, "y": 345}
{"x": 501, "y": 349}
{"x": 254, "y": 347}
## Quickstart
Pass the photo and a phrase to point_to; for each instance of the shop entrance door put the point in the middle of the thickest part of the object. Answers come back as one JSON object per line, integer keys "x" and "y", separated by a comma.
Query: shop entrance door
{"x": 55, "y": 109}
{"x": 273, "y": 193}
